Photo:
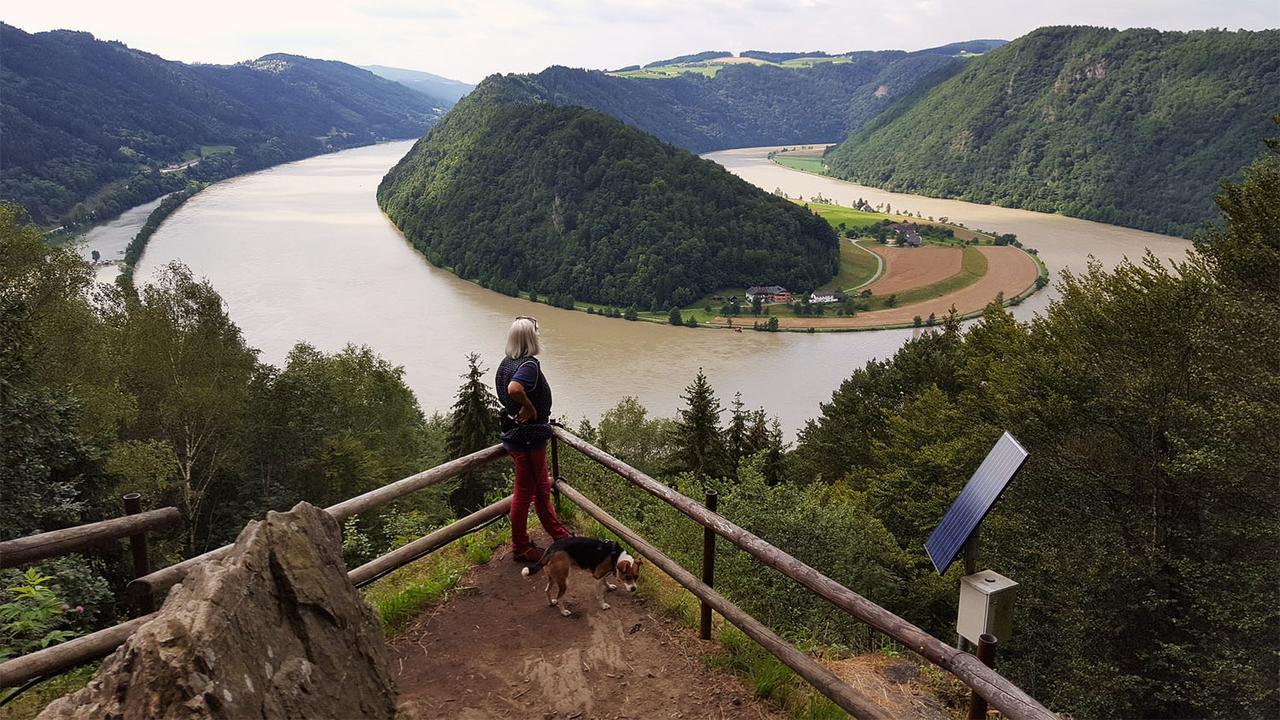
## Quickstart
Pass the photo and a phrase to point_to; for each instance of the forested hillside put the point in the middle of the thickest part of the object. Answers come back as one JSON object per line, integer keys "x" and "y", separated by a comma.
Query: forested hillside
{"x": 568, "y": 201}
{"x": 746, "y": 105}
{"x": 89, "y": 124}
{"x": 1133, "y": 128}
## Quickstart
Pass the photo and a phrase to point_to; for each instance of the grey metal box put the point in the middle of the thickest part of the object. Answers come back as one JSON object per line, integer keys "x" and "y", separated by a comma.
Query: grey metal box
{"x": 986, "y": 606}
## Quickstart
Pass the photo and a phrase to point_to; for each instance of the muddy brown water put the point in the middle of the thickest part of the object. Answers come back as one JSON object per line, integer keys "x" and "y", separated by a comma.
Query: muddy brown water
{"x": 301, "y": 252}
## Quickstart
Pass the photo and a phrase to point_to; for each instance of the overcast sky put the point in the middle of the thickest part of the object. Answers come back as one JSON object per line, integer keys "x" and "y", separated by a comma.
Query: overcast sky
{"x": 469, "y": 39}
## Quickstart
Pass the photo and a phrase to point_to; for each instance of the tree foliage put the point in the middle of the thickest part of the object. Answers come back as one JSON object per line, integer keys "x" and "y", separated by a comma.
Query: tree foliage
{"x": 746, "y": 105}
{"x": 1129, "y": 127}
{"x": 697, "y": 438}
{"x": 473, "y": 426}
{"x": 88, "y": 124}
{"x": 1143, "y": 528}
{"x": 572, "y": 202}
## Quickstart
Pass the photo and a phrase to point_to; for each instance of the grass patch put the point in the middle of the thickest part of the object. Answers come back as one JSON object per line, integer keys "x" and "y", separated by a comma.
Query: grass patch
{"x": 211, "y": 150}
{"x": 401, "y": 596}
{"x": 857, "y": 266}
{"x": 670, "y": 71}
{"x": 806, "y": 164}
{"x": 838, "y": 215}
{"x": 808, "y": 62}
{"x": 30, "y": 703}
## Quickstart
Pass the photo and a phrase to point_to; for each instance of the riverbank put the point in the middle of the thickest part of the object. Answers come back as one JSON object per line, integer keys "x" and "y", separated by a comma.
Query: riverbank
{"x": 138, "y": 245}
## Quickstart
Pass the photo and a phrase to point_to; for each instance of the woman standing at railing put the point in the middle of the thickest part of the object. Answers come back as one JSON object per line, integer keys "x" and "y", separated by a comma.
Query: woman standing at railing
{"x": 526, "y": 415}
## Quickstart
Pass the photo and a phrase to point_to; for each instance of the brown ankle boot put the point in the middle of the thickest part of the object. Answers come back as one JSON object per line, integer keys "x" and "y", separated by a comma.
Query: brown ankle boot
{"x": 530, "y": 554}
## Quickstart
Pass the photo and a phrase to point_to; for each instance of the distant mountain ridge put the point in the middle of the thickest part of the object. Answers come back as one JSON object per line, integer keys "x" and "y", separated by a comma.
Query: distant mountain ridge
{"x": 745, "y": 104}
{"x": 443, "y": 89}
{"x": 1131, "y": 127}
{"x": 90, "y": 126}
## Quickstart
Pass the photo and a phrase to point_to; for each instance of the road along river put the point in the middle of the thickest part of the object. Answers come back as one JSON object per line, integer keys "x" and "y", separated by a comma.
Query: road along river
{"x": 301, "y": 252}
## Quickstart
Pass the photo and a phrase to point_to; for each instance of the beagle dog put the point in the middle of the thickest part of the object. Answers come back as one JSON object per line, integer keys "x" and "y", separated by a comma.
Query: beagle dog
{"x": 601, "y": 558}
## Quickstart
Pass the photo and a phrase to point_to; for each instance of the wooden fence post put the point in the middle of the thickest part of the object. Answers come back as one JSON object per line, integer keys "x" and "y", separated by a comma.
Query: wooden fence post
{"x": 987, "y": 654}
{"x": 708, "y": 566}
{"x": 138, "y": 546}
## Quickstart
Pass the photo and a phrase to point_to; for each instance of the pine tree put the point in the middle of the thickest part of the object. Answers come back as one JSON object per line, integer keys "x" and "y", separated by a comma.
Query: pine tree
{"x": 699, "y": 447}
{"x": 772, "y": 468}
{"x": 736, "y": 434}
{"x": 674, "y": 318}
{"x": 757, "y": 438}
{"x": 473, "y": 426}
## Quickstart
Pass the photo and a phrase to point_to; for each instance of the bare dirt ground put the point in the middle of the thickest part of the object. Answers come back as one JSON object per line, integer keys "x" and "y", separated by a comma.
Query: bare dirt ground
{"x": 1009, "y": 270}
{"x": 496, "y": 650}
{"x": 910, "y": 268}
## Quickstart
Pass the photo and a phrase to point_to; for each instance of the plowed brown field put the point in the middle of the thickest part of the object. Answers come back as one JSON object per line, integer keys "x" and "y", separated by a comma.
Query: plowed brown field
{"x": 910, "y": 268}
{"x": 1009, "y": 271}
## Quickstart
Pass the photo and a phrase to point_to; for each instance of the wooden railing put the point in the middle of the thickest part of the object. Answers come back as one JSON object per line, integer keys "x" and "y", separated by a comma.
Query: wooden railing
{"x": 59, "y": 658}
{"x": 984, "y": 681}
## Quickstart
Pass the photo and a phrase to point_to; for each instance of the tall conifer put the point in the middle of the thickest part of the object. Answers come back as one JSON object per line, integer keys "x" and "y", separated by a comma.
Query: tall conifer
{"x": 699, "y": 446}
{"x": 473, "y": 426}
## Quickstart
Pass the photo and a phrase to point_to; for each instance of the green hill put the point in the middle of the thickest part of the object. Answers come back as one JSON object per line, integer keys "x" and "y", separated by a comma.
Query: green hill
{"x": 89, "y": 125}
{"x": 746, "y": 104}
{"x": 1133, "y": 128}
{"x": 568, "y": 201}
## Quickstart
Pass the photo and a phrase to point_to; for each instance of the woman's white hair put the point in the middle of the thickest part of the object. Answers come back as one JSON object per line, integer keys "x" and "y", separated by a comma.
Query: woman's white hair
{"x": 522, "y": 338}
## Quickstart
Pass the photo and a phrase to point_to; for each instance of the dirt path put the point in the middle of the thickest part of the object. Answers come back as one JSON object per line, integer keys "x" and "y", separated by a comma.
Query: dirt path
{"x": 496, "y": 650}
{"x": 910, "y": 268}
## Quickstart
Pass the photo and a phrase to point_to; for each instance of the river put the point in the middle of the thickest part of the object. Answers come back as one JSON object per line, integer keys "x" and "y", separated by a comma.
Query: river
{"x": 301, "y": 252}
{"x": 111, "y": 238}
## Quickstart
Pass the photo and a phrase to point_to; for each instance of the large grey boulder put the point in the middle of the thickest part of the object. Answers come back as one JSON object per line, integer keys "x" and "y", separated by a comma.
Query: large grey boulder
{"x": 272, "y": 630}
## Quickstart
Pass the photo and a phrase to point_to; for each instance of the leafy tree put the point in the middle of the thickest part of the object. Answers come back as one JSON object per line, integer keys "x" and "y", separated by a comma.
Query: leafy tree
{"x": 189, "y": 368}
{"x": 626, "y": 432}
{"x": 674, "y": 318}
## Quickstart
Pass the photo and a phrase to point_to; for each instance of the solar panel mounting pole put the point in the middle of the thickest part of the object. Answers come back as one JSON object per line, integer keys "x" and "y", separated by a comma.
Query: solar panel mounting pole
{"x": 970, "y": 551}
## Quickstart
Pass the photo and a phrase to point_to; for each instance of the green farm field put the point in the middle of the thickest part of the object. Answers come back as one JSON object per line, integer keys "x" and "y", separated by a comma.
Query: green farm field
{"x": 804, "y": 164}
{"x": 858, "y": 266}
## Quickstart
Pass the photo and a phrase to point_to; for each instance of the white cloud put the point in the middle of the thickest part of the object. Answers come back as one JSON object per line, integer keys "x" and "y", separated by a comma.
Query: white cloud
{"x": 471, "y": 39}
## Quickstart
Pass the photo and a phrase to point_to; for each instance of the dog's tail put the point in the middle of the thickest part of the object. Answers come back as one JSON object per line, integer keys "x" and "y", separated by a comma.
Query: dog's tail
{"x": 534, "y": 568}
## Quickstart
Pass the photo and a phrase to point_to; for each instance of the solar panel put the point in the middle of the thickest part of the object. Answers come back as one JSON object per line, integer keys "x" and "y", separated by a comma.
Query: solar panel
{"x": 979, "y": 494}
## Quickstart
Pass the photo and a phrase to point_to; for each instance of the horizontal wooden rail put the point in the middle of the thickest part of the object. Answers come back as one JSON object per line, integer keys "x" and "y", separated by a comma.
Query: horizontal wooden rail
{"x": 999, "y": 692}
{"x": 166, "y": 578}
{"x": 806, "y": 667}
{"x": 427, "y": 544}
{"x": 31, "y": 548}
{"x": 81, "y": 650}
{"x": 100, "y": 644}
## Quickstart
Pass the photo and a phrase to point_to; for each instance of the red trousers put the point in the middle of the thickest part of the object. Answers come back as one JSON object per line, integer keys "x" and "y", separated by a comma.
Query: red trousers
{"x": 532, "y": 485}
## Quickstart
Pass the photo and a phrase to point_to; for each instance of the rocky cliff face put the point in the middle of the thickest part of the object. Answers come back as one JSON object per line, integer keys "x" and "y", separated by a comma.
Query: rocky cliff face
{"x": 273, "y": 630}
